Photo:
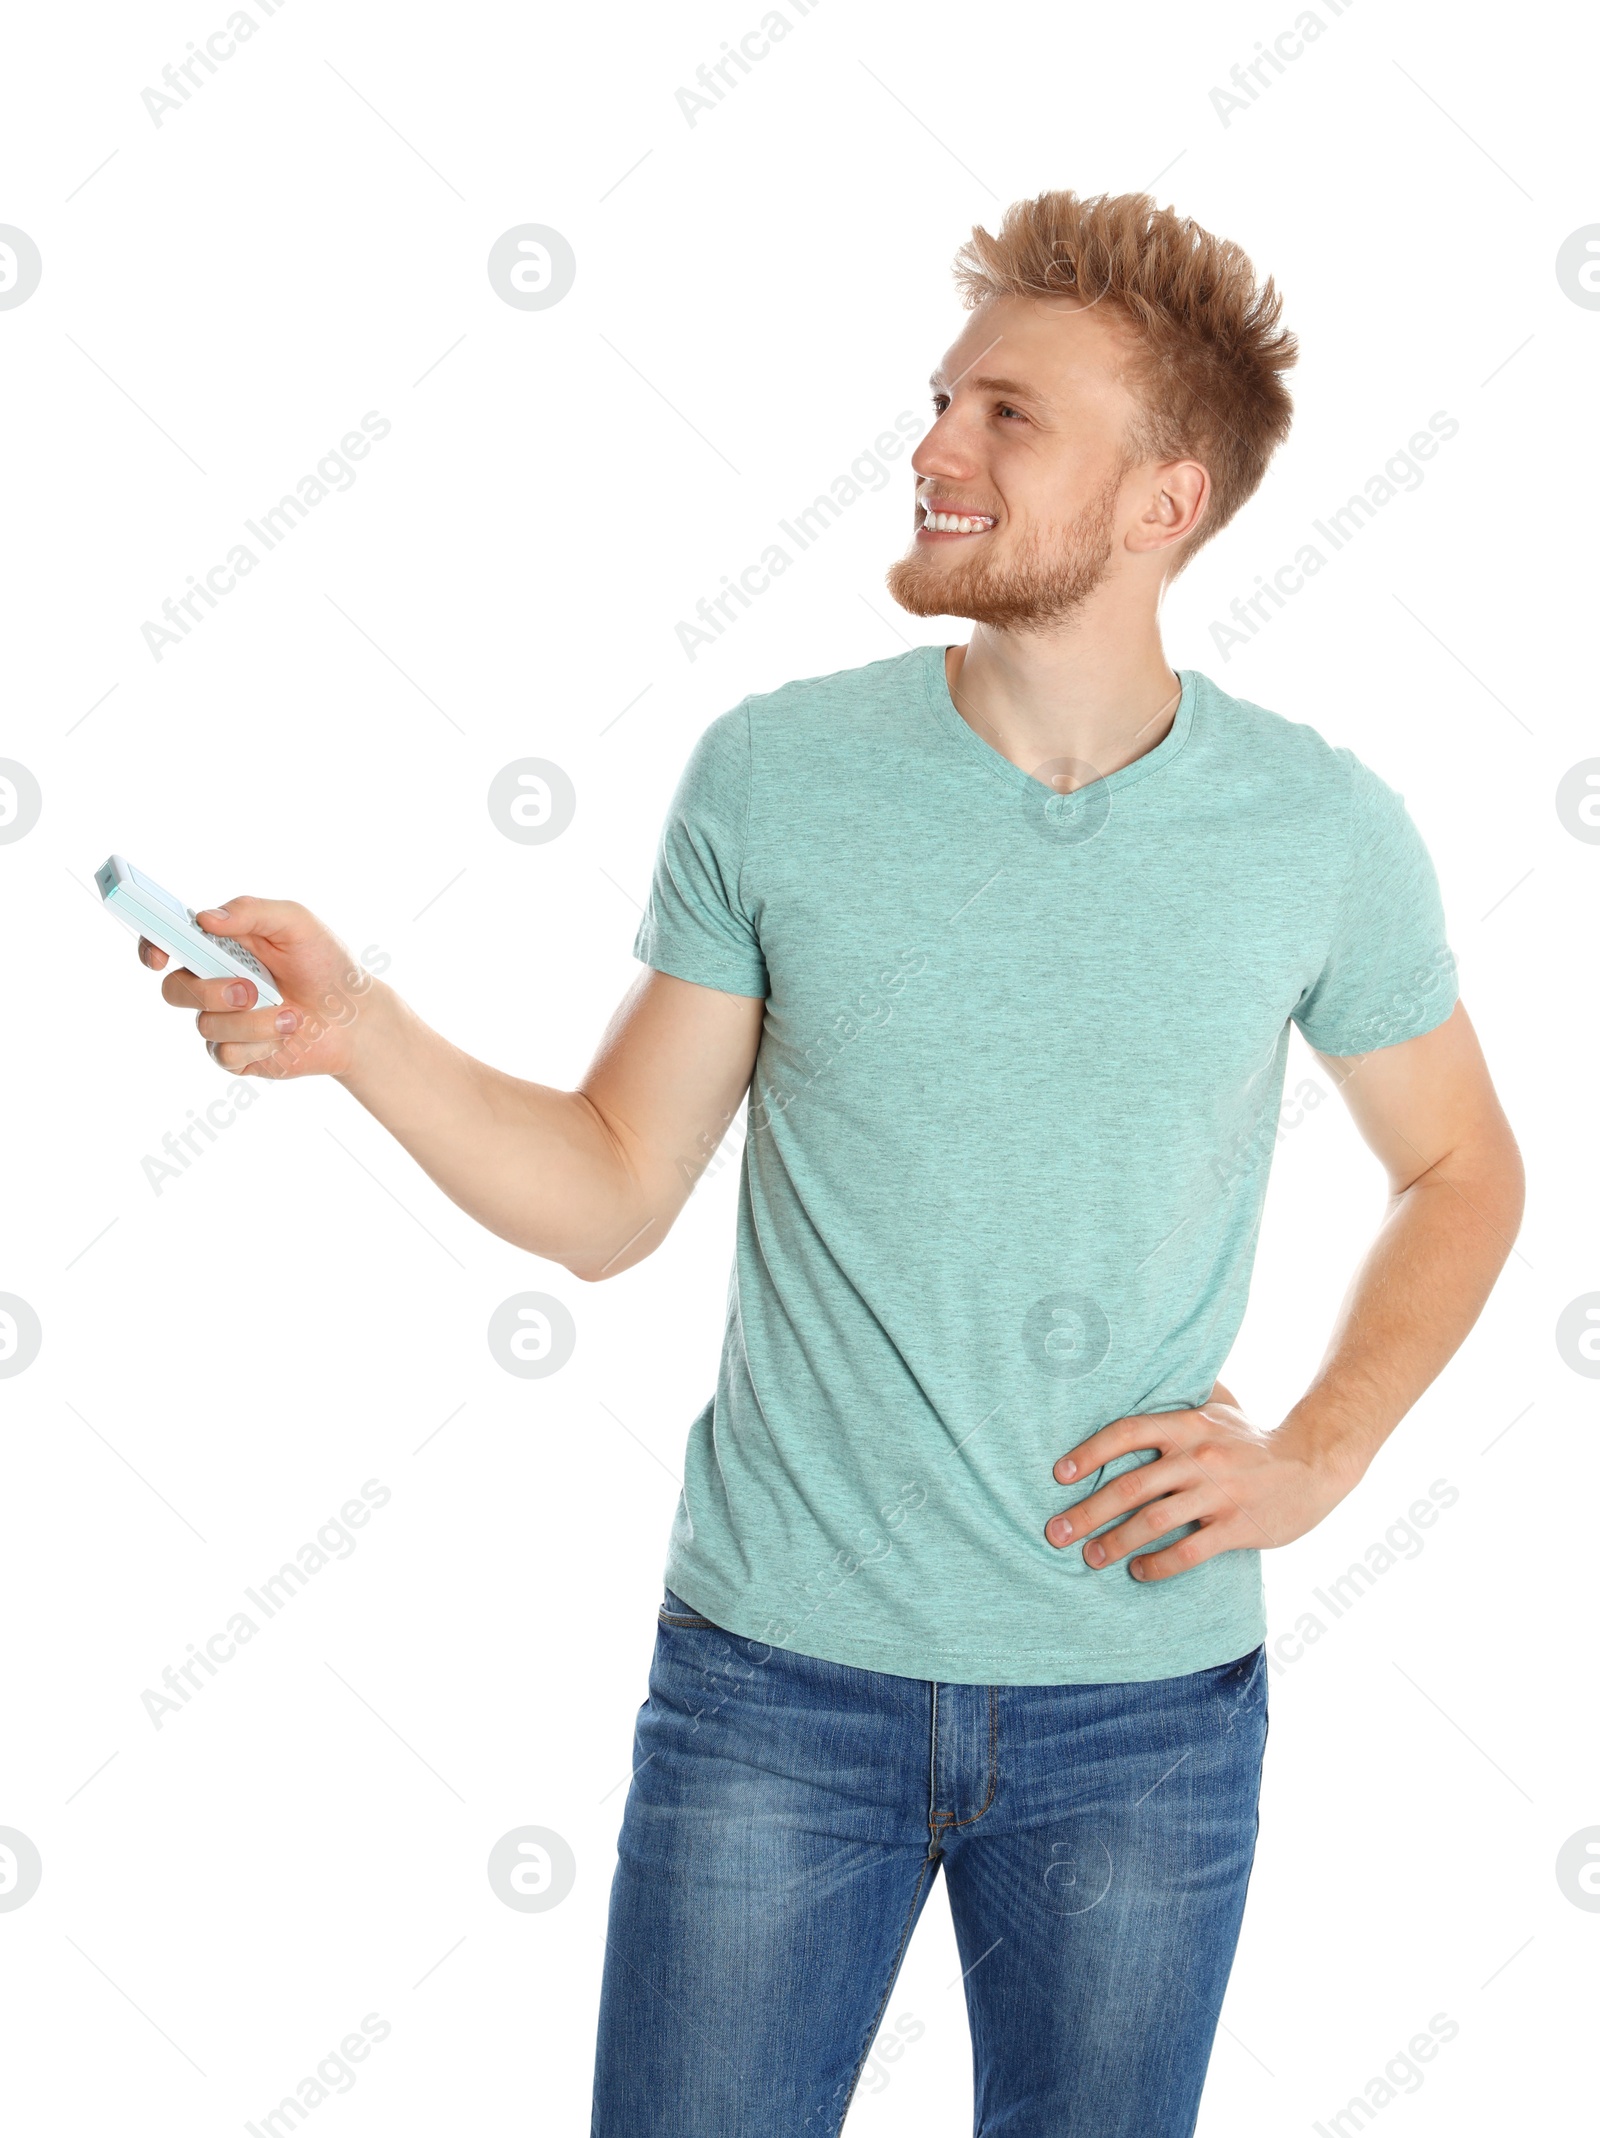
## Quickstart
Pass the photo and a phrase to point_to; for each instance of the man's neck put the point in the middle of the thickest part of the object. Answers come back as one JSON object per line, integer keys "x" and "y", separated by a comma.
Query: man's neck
{"x": 1099, "y": 698}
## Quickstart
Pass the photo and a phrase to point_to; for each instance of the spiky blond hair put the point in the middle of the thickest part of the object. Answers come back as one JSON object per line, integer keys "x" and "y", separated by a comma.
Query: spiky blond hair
{"x": 1208, "y": 352}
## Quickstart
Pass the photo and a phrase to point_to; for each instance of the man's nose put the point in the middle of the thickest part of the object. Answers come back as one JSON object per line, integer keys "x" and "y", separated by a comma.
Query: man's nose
{"x": 943, "y": 451}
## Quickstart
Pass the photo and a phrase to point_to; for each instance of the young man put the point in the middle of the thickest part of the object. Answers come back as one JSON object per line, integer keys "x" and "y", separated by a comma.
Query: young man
{"x": 1004, "y": 941}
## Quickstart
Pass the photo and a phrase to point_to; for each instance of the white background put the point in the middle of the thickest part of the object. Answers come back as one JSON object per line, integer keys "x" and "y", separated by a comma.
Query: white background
{"x": 228, "y": 1360}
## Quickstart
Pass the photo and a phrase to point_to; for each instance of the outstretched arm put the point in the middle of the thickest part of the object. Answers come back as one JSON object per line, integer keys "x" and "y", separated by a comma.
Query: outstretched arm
{"x": 591, "y": 1178}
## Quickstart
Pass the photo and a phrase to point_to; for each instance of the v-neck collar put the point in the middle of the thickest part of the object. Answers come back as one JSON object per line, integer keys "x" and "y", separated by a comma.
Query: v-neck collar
{"x": 943, "y": 708}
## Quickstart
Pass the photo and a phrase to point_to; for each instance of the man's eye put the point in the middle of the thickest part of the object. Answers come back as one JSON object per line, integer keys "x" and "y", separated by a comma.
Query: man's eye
{"x": 1005, "y": 409}
{"x": 941, "y": 401}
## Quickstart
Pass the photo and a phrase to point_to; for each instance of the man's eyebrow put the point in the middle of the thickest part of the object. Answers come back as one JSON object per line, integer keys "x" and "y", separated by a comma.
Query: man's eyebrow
{"x": 1017, "y": 387}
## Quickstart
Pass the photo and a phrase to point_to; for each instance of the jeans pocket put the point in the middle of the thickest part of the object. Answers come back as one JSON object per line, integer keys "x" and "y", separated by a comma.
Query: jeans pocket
{"x": 1241, "y": 1687}
{"x": 675, "y": 1612}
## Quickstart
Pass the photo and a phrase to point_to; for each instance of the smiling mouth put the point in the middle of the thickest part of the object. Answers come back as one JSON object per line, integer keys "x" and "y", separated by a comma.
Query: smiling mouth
{"x": 943, "y": 526}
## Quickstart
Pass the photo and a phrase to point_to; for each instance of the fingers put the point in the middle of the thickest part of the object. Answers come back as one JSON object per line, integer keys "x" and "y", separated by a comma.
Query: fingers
{"x": 237, "y": 1040}
{"x": 1163, "y": 1430}
{"x": 1093, "y": 1453}
{"x": 269, "y": 920}
{"x": 1149, "y": 1523}
{"x": 269, "y": 1025}
{"x": 188, "y": 991}
{"x": 1178, "y": 1558}
{"x": 1123, "y": 1436}
{"x": 241, "y": 1035}
{"x": 237, "y": 1056}
{"x": 1152, "y": 1480}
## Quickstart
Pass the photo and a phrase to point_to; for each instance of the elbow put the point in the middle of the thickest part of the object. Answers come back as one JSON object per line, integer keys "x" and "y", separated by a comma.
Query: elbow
{"x": 1481, "y": 1180}
{"x": 1516, "y": 1187}
{"x": 1499, "y": 1185}
{"x": 595, "y": 1264}
{"x": 625, "y": 1206}
{"x": 588, "y": 1269}
{"x": 1504, "y": 1168}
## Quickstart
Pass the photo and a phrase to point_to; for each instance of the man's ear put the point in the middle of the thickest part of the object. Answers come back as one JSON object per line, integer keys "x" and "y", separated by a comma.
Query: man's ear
{"x": 1178, "y": 503}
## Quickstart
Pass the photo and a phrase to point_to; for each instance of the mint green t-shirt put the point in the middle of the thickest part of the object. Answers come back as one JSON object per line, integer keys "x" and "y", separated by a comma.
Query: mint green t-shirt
{"x": 1017, "y": 1091}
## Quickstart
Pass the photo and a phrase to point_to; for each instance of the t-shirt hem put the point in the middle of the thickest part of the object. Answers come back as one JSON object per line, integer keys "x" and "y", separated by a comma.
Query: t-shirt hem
{"x": 1222, "y": 1641}
{"x": 1347, "y": 1046}
{"x": 727, "y": 979}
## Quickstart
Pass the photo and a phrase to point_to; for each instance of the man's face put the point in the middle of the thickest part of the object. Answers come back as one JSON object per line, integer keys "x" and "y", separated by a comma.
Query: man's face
{"x": 1029, "y": 446}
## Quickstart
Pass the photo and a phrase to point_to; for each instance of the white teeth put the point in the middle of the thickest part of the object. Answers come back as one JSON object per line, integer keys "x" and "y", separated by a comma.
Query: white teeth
{"x": 955, "y": 523}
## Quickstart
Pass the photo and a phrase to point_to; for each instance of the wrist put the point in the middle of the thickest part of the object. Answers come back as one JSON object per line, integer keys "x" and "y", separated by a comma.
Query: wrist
{"x": 1336, "y": 1447}
{"x": 377, "y": 1016}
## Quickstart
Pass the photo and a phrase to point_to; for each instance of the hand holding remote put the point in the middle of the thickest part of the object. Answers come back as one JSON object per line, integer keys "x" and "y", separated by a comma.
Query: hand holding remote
{"x": 312, "y": 1032}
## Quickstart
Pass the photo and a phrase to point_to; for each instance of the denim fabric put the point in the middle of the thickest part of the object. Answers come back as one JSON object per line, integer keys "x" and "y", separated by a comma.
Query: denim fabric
{"x": 786, "y": 1820}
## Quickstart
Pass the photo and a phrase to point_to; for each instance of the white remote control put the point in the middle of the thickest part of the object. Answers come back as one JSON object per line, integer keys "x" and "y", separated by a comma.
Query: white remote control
{"x": 167, "y": 921}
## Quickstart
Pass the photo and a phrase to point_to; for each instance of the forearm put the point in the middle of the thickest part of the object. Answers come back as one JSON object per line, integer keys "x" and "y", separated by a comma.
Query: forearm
{"x": 1415, "y": 1296}
{"x": 536, "y": 1165}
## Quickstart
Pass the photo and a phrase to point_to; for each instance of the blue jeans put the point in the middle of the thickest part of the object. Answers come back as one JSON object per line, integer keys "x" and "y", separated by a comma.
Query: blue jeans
{"x": 786, "y": 1820}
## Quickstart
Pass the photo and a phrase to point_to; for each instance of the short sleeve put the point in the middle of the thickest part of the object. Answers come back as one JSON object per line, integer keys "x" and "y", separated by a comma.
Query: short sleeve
{"x": 1388, "y": 973}
{"x": 696, "y": 925}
